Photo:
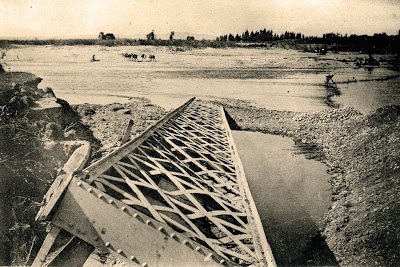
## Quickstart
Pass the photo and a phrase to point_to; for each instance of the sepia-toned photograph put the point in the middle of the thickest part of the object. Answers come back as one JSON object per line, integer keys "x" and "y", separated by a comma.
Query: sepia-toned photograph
{"x": 255, "y": 133}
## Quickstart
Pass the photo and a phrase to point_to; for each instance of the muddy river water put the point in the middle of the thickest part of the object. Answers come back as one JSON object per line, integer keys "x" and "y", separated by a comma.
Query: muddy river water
{"x": 273, "y": 79}
{"x": 291, "y": 194}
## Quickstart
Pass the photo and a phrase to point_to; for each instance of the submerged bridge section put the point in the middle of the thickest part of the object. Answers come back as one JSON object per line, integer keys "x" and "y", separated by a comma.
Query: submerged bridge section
{"x": 176, "y": 195}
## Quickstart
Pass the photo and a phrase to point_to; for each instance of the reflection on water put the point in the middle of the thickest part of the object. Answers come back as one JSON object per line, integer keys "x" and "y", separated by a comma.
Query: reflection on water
{"x": 291, "y": 194}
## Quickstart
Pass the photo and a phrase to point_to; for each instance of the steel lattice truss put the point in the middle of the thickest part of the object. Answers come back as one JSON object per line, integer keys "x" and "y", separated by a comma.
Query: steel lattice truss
{"x": 184, "y": 175}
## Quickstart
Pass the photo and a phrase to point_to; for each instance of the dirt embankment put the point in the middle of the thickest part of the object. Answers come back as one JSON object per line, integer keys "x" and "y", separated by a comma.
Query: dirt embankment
{"x": 36, "y": 134}
{"x": 362, "y": 227}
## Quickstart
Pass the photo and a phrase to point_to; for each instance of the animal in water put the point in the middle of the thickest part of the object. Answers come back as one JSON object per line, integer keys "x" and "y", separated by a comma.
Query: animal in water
{"x": 126, "y": 55}
{"x": 152, "y": 57}
{"x": 132, "y": 56}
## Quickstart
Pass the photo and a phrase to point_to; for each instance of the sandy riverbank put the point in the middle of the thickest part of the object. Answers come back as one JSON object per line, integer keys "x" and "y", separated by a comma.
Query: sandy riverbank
{"x": 362, "y": 226}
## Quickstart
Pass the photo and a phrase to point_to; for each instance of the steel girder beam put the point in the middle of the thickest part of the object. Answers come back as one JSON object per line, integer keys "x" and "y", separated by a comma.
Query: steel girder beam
{"x": 138, "y": 240}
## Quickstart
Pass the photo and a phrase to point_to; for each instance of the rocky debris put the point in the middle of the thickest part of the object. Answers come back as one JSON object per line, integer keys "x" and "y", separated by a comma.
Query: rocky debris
{"x": 250, "y": 118}
{"x": 18, "y": 97}
{"x": 124, "y": 111}
{"x": 108, "y": 122}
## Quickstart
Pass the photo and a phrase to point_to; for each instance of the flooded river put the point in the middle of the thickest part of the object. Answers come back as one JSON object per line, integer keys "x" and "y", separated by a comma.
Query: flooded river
{"x": 273, "y": 79}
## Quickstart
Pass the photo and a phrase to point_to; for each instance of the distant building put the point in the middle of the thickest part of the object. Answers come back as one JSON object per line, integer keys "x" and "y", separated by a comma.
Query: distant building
{"x": 107, "y": 36}
{"x": 151, "y": 36}
{"x": 190, "y": 38}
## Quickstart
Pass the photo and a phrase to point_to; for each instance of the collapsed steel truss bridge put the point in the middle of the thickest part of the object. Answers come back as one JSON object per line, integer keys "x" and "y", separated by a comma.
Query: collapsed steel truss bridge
{"x": 176, "y": 195}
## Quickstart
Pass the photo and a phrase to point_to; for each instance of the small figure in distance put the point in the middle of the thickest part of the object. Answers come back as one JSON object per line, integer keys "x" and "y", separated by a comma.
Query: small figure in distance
{"x": 143, "y": 56}
{"x": 94, "y": 59}
{"x": 329, "y": 78}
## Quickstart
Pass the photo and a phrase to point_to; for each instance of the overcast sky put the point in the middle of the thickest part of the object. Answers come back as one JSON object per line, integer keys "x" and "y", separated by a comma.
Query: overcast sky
{"x": 74, "y": 18}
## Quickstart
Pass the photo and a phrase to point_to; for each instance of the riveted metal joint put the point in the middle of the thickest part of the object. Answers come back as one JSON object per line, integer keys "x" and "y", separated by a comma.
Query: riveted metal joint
{"x": 162, "y": 230}
{"x": 137, "y": 216}
{"x": 149, "y": 223}
{"x": 208, "y": 257}
{"x": 187, "y": 243}
{"x": 134, "y": 259}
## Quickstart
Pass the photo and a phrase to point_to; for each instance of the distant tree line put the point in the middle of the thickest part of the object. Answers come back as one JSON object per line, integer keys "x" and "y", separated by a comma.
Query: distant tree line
{"x": 377, "y": 43}
{"x": 259, "y": 36}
